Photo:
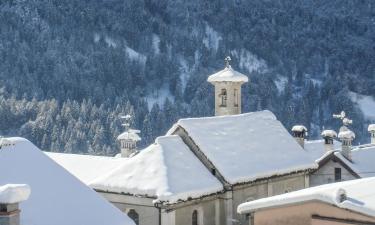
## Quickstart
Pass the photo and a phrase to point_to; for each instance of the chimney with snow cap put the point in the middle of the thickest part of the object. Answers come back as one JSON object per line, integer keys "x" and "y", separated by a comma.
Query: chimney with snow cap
{"x": 328, "y": 136}
{"x": 11, "y": 195}
{"x": 345, "y": 135}
{"x": 227, "y": 84}
{"x": 371, "y": 129}
{"x": 299, "y": 133}
{"x": 128, "y": 139}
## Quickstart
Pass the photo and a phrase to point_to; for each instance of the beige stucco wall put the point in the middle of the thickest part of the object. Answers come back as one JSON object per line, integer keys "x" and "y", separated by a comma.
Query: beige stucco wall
{"x": 231, "y": 108}
{"x": 326, "y": 174}
{"x": 268, "y": 188}
{"x": 302, "y": 214}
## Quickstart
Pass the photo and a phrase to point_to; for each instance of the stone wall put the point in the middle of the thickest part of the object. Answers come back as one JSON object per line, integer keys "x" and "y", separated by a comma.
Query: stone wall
{"x": 326, "y": 174}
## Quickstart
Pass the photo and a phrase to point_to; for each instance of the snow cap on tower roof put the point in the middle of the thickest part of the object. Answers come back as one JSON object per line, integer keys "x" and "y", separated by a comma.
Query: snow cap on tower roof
{"x": 228, "y": 74}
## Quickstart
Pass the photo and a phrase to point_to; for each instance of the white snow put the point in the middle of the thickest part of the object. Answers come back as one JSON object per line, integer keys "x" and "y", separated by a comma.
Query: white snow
{"x": 86, "y": 167}
{"x": 14, "y": 193}
{"x": 360, "y": 197}
{"x": 156, "y": 44}
{"x": 346, "y": 134}
{"x": 362, "y": 160}
{"x": 248, "y": 146}
{"x": 371, "y": 127}
{"x": 212, "y": 38}
{"x": 185, "y": 72}
{"x": 166, "y": 170}
{"x": 57, "y": 197}
{"x": 329, "y": 133}
{"x": 365, "y": 103}
{"x": 134, "y": 55}
{"x": 316, "y": 149}
{"x": 228, "y": 74}
{"x": 130, "y": 134}
{"x": 299, "y": 128}
{"x": 110, "y": 42}
{"x": 250, "y": 62}
{"x": 96, "y": 37}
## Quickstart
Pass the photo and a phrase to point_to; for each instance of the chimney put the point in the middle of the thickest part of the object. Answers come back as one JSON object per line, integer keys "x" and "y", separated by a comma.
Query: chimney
{"x": 11, "y": 195}
{"x": 328, "y": 136}
{"x": 299, "y": 133}
{"x": 371, "y": 129}
{"x": 346, "y": 136}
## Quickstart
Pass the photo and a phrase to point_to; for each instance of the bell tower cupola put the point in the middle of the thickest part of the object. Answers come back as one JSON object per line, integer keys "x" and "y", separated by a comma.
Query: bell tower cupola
{"x": 227, "y": 84}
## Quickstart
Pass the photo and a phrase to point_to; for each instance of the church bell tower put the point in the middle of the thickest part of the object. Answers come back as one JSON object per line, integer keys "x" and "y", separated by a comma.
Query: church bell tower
{"x": 227, "y": 84}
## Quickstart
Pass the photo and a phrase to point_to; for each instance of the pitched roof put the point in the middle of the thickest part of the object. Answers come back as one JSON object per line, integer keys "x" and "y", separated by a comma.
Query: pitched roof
{"x": 360, "y": 197}
{"x": 248, "y": 146}
{"x": 166, "y": 170}
{"x": 228, "y": 74}
{"x": 57, "y": 197}
{"x": 86, "y": 167}
{"x": 316, "y": 149}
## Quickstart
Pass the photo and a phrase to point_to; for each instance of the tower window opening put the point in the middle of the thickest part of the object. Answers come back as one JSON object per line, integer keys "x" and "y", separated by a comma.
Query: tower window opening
{"x": 134, "y": 216}
{"x": 195, "y": 218}
{"x": 223, "y": 95}
{"x": 236, "y": 100}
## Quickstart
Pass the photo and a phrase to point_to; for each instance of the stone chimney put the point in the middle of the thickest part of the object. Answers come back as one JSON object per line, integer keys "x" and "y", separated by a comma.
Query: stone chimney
{"x": 128, "y": 139}
{"x": 299, "y": 133}
{"x": 346, "y": 136}
{"x": 11, "y": 195}
{"x": 328, "y": 136}
{"x": 371, "y": 129}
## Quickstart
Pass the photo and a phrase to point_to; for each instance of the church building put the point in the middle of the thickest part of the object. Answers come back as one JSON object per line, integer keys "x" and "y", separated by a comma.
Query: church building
{"x": 204, "y": 168}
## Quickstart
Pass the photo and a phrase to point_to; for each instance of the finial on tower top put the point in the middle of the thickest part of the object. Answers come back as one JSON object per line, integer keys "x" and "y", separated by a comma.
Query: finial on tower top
{"x": 127, "y": 119}
{"x": 227, "y": 61}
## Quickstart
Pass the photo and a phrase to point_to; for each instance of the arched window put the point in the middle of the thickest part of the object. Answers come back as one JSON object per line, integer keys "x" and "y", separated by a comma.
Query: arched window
{"x": 194, "y": 218}
{"x": 235, "y": 98}
{"x": 223, "y": 95}
{"x": 134, "y": 216}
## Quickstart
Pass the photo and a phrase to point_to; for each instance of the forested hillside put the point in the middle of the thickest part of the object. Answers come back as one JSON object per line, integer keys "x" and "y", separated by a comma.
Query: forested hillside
{"x": 68, "y": 68}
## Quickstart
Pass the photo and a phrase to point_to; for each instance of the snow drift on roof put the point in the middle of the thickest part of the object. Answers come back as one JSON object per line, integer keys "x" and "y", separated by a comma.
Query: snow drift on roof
{"x": 166, "y": 170}
{"x": 371, "y": 127}
{"x": 130, "y": 134}
{"x": 317, "y": 151}
{"x": 14, "y": 193}
{"x": 299, "y": 128}
{"x": 228, "y": 74}
{"x": 86, "y": 167}
{"x": 329, "y": 133}
{"x": 360, "y": 197}
{"x": 248, "y": 146}
{"x": 57, "y": 197}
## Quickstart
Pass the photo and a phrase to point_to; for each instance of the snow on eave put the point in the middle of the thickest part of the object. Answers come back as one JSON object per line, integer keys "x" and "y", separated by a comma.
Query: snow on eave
{"x": 229, "y": 75}
{"x": 348, "y": 134}
{"x": 299, "y": 128}
{"x": 329, "y": 133}
{"x": 14, "y": 193}
{"x": 353, "y": 192}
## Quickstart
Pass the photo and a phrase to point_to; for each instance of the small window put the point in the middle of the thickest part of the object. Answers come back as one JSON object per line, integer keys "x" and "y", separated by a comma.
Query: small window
{"x": 337, "y": 174}
{"x": 235, "y": 97}
{"x": 194, "y": 218}
{"x": 223, "y": 95}
{"x": 134, "y": 216}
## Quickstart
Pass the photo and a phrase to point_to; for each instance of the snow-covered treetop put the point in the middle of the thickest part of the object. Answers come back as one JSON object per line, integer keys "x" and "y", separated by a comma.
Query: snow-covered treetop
{"x": 228, "y": 74}
{"x": 299, "y": 128}
{"x": 346, "y": 195}
{"x": 14, "y": 193}
{"x": 346, "y": 134}
{"x": 371, "y": 128}
{"x": 329, "y": 133}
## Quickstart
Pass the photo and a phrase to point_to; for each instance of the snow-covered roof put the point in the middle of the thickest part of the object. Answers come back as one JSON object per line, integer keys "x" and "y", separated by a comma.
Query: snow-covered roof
{"x": 362, "y": 160}
{"x": 130, "y": 135}
{"x": 86, "y": 167}
{"x": 299, "y": 128}
{"x": 166, "y": 170}
{"x": 346, "y": 134}
{"x": 371, "y": 127}
{"x": 317, "y": 151}
{"x": 14, "y": 193}
{"x": 360, "y": 197}
{"x": 329, "y": 133}
{"x": 248, "y": 146}
{"x": 228, "y": 74}
{"x": 57, "y": 197}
